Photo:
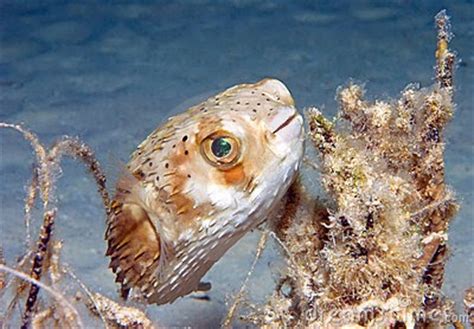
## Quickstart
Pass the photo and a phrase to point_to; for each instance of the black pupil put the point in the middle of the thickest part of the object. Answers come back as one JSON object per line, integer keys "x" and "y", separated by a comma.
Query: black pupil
{"x": 221, "y": 147}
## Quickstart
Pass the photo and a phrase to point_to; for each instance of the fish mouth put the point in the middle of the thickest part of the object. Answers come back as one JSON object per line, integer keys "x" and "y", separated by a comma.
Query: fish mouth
{"x": 286, "y": 122}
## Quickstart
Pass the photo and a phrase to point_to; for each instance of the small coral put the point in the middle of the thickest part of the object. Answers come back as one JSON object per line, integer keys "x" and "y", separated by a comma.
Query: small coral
{"x": 118, "y": 316}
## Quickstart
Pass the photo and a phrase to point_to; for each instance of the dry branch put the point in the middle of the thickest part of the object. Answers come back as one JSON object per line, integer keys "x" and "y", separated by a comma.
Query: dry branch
{"x": 78, "y": 150}
{"x": 44, "y": 174}
{"x": 37, "y": 270}
{"x": 29, "y": 204}
{"x": 118, "y": 316}
{"x": 227, "y": 323}
{"x": 3, "y": 277}
{"x": 60, "y": 298}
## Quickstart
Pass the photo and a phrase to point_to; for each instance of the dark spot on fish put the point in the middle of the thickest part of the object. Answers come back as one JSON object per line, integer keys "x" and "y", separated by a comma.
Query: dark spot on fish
{"x": 254, "y": 110}
{"x": 185, "y": 138}
{"x": 174, "y": 145}
{"x": 150, "y": 163}
{"x": 139, "y": 174}
{"x": 167, "y": 165}
{"x": 189, "y": 176}
{"x": 258, "y": 104}
{"x": 186, "y": 152}
{"x": 238, "y": 102}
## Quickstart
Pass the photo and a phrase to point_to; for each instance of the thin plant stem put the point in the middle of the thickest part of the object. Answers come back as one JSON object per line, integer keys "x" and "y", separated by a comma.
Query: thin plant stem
{"x": 63, "y": 301}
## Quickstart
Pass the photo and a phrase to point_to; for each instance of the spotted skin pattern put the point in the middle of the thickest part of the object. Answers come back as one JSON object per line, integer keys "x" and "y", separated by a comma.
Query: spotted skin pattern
{"x": 178, "y": 207}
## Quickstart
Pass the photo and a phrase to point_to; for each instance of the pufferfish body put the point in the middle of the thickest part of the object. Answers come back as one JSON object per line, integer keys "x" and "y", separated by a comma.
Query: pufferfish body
{"x": 197, "y": 184}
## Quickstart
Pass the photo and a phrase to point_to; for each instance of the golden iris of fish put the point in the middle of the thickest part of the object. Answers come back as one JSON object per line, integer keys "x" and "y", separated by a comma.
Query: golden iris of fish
{"x": 198, "y": 183}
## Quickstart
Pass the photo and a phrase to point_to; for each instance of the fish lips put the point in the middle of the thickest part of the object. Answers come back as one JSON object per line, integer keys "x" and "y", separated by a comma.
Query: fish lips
{"x": 287, "y": 123}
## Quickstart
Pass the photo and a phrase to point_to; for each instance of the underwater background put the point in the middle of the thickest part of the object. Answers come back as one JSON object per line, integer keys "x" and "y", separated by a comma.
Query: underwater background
{"x": 110, "y": 72}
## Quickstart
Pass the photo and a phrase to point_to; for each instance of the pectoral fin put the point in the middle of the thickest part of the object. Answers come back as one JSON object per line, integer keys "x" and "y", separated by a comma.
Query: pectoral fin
{"x": 133, "y": 247}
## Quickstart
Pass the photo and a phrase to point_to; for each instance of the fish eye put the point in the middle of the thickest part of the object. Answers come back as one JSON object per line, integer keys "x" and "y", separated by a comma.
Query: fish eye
{"x": 221, "y": 149}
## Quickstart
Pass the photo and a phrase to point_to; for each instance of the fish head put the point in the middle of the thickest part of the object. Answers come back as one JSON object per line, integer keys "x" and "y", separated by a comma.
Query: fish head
{"x": 245, "y": 144}
{"x": 202, "y": 181}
